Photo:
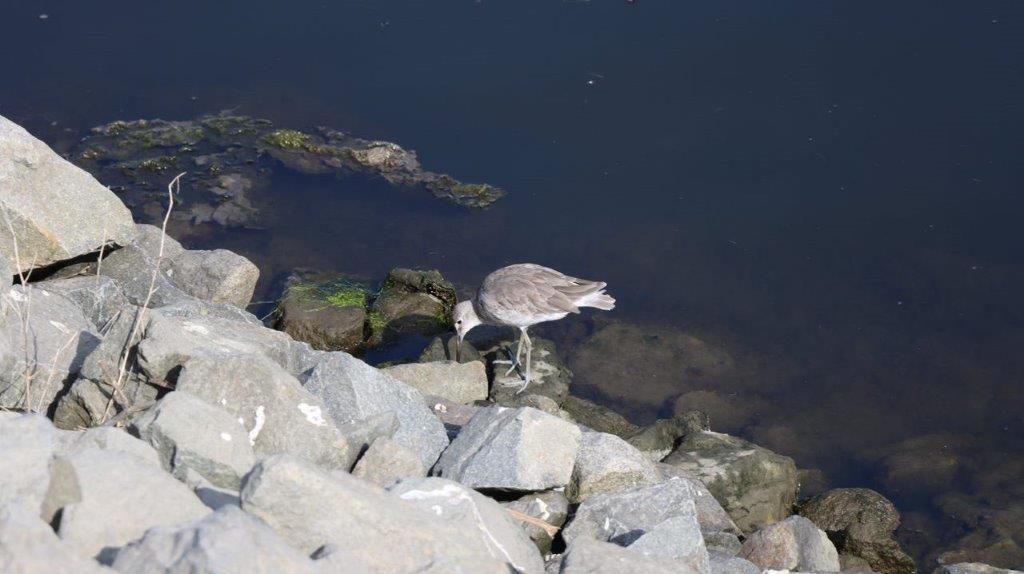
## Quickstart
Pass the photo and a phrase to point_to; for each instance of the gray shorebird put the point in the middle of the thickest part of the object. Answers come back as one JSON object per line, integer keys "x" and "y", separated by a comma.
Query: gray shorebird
{"x": 521, "y": 296}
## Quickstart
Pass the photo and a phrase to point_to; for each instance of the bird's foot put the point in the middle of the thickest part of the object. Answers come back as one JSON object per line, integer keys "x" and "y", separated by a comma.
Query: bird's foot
{"x": 512, "y": 361}
{"x": 526, "y": 383}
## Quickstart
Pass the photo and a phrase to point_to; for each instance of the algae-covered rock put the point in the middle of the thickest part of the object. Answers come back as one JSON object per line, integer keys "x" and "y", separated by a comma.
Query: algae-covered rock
{"x": 330, "y": 315}
{"x": 411, "y": 302}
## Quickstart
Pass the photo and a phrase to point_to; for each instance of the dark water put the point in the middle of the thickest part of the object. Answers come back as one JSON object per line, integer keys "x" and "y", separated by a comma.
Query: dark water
{"x": 832, "y": 187}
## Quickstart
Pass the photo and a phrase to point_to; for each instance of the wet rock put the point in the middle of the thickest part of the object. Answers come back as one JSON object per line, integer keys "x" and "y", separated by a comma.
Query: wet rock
{"x": 190, "y": 434}
{"x": 386, "y": 462}
{"x": 791, "y": 544}
{"x": 861, "y": 523}
{"x": 659, "y": 438}
{"x": 310, "y": 508}
{"x": 728, "y": 564}
{"x": 120, "y": 497}
{"x": 667, "y": 361}
{"x": 353, "y": 390}
{"x": 753, "y": 484}
{"x": 550, "y": 378}
{"x": 47, "y": 338}
{"x": 26, "y": 444}
{"x": 623, "y": 516}
{"x": 597, "y": 417}
{"x": 217, "y": 276}
{"x": 501, "y": 448}
{"x": 589, "y": 556}
{"x": 228, "y": 540}
{"x": 678, "y": 537}
{"x": 442, "y": 348}
{"x": 606, "y": 463}
{"x": 712, "y": 517}
{"x": 459, "y": 382}
{"x": 329, "y": 315}
{"x": 971, "y": 568}
{"x": 99, "y": 298}
{"x": 279, "y": 416}
{"x": 550, "y": 507}
{"x": 411, "y": 302}
{"x": 492, "y": 526}
{"x": 27, "y": 544}
{"x": 56, "y": 210}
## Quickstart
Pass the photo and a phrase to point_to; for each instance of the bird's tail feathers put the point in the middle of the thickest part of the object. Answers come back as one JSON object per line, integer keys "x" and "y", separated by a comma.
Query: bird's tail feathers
{"x": 599, "y": 300}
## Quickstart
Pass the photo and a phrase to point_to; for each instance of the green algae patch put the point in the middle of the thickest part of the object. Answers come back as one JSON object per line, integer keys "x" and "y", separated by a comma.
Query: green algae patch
{"x": 289, "y": 139}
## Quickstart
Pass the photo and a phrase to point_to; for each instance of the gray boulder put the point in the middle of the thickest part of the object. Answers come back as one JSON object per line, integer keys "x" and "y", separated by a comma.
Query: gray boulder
{"x": 48, "y": 338}
{"x": 550, "y": 376}
{"x": 606, "y": 463}
{"x": 115, "y": 498}
{"x": 589, "y": 556}
{"x": 353, "y": 390}
{"x": 753, "y": 484}
{"x": 658, "y": 439}
{"x": 710, "y": 514}
{"x": 28, "y": 545}
{"x": 106, "y": 438}
{"x": 729, "y": 564}
{"x": 57, "y": 210}
{"x": 512, "y": 449}
{"x": 26, "y": 444}
{"x": 411, "y": 302}
{"x": 550, "y": 507}
{"x": 622, "y": 517}
{"x": 217, "y": 276}
{"x": 459, "y": 382}
{"x": 191, "y": 434}
{"x": 228, "y": 540}
{"x": 329, "y": 313}
{"x": 678, "y": 537}
{"x": 99, "y": 298}
{"x": 492, "y": 526}
{"x": 861, "y": 522}
{"x": 279, "y": 416}
{"x": 598, "y": 418}
{"x": 792, "y": 544}
{"x": 310, "y": 508}
{"x": 386, "y": 462}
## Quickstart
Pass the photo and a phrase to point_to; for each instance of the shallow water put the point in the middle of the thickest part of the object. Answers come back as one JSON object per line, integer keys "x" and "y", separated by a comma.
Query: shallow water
{"x": 829, "y": 190}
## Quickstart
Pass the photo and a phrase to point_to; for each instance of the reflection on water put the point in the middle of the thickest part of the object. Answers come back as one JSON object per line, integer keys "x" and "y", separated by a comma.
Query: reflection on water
{"x": 816, "y": 204}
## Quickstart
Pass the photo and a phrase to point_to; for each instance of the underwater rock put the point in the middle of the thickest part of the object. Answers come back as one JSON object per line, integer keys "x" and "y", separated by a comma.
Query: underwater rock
{"x": 228, "y": 159}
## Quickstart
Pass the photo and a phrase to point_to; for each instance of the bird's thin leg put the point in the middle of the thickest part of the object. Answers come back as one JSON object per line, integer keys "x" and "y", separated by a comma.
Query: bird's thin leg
{"x": 529, "y": 351}
{"x": 514, "y": 362}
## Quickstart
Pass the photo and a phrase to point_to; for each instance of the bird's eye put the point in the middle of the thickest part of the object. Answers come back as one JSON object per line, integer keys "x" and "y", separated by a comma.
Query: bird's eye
{"x": 459, "y": 322}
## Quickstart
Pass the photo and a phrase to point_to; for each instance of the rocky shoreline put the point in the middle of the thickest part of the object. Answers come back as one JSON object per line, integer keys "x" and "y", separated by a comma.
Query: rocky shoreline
{"x": 149, "y": 423}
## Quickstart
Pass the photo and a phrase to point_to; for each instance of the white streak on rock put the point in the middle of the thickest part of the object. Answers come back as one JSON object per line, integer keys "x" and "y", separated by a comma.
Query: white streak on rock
{"x": 261, "y": 417}
{"x": 313, "y": 414}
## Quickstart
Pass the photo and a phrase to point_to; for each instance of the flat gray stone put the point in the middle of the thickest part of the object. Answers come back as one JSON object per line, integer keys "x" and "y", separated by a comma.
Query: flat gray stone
{"x": 460, "y": 382}
{"x": 228, "y": 540}
{"x": 710, "y": 514}
{"x": 191, "y": 434}
{"x": 589, "y": 556}
{"x": 279, "y": 416}
{"x": 28, "y": 545}
{"x": 98, "y": 297}
{"x": 512, "y": 449}
{"x": 57, "y": 210}
{"x": 353, "y": 390}
{"x": 119, "y": 498}
{"x": 217, "y": 276}
{"x": 492, "y": 526}
{"x": 606, "y": 463}
{"x": 107, "y": 438}
{"x": 791, "y": 544}
{"x": 677, "y": 537}
{"x": 386, "y": 462}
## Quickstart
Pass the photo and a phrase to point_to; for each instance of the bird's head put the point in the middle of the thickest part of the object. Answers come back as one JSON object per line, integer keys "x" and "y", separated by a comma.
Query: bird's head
{"x": 464, "y": 318}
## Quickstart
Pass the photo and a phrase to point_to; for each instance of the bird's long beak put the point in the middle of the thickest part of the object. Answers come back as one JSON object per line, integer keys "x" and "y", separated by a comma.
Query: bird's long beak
{"x": 458, "y": 350}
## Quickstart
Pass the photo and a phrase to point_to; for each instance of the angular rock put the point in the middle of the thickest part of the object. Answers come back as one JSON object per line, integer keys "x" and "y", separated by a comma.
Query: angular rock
{"x": 57, "y": 211}
{"x": 48, "y": 338}
{"x": 606, "y": 463}
{"x": 459, "y": 382}
{"x": 329, "y": 315}
{"x": 353, "y": 390}
{"x": 753, "y": 484}
{"x": 217, "y": 276}
{"x": 28, "y": 545}
{"x": 386, "y": 462}
{"x": 712, "y": 517}
{"x": 861, "y": 522}
{"x": 598, "y": 418}
{"x": 107, "y": 438}
{"x": 589, "y": 556}
{"x": 791, "y": 544}
{"x": 678, "y": 537}
{"x": 412, "y": 302}
{"x": 622, "y": 517}
{"x": 191, "y": 434}
{"x": 494, "y": 529}
{"x": 659, "y": 439}
{"x": 453, "y": 415}
{"x": 550, "y": 377}
{"x": 99, "y": 298}
{"x": 512, "y": 449}
{"x": 26, "y": 444}
{"x": 228, "y": 540}
{"x": 728, "y": 564}
{"x": 550, "y": 507}
{"x": 310, "y": 508}
{"x": 279, "y": 416}
{"x": 120, "y": 497}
